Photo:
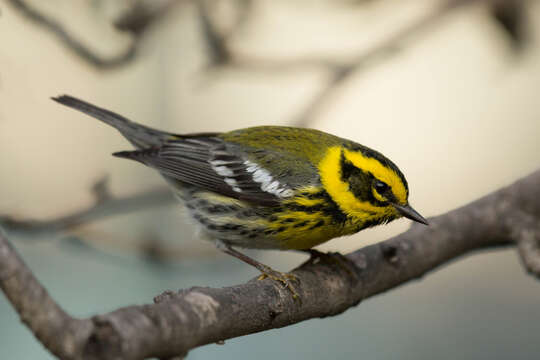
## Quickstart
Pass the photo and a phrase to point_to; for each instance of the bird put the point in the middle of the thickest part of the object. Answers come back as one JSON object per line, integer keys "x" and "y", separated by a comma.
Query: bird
{"x": 268, "y": 187}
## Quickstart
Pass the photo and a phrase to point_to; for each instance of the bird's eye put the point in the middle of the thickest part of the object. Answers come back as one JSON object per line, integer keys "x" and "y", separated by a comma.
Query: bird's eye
{"x": 381, "y": 187}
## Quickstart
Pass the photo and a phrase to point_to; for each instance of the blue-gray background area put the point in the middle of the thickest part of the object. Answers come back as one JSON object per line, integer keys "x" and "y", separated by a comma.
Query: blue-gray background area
{"x": 479, "y": 307}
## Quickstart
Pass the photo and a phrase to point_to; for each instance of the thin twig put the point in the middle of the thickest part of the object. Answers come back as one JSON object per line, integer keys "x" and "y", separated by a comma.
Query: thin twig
{"x": 100, "y": 209}
{"x": 216, "y": 43}
{"x": 76, "y": 46}
{"x": 143, "y": 14}
{"x": 338, "y": 71}
{"x": 389, "y": 48}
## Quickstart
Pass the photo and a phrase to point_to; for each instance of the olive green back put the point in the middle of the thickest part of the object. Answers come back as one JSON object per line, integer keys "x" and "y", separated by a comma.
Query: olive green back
{"x": 291, "y": 154}
{"x": 305, "y": 144}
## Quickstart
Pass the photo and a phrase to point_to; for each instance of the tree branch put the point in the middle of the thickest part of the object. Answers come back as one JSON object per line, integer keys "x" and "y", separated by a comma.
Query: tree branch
{"x": 37, "y": 309}
{"x": 180, "y": 321}
{"x": 221, "y": 53}
{"x": 339, "y": 74}
{"x": 105, "y": 206}
{"x": 135, "y": 22}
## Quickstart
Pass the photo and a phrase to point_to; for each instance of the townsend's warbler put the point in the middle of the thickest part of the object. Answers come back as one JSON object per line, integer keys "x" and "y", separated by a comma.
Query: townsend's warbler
{"x": 269, "y": 187}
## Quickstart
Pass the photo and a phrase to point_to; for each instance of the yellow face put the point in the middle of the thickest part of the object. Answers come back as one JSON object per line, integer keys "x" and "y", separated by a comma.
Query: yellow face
{"x": 365, "y": 187}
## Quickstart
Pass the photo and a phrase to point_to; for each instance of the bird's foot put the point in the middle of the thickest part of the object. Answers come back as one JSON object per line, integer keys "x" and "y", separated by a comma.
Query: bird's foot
{"x": 284, "y": 279}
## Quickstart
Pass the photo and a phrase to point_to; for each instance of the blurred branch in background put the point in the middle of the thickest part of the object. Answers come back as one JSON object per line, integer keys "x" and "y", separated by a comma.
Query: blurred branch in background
{"x": 105, "y": 205}
{"x": 138, "y": 18}
{"x": 149, "y": 246}
{"x": 509, "y": 14}
{"x": 511, "y": 17}
{"x": 180, "y": 321}
{"x": 135, "y": 22}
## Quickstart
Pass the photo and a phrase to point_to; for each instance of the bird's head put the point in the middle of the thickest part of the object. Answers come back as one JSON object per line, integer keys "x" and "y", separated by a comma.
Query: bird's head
{"x": 367, "y": 186}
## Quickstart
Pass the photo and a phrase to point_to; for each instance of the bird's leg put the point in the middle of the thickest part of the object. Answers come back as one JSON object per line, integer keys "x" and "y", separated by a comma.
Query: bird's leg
{"x": 266, "y": 271}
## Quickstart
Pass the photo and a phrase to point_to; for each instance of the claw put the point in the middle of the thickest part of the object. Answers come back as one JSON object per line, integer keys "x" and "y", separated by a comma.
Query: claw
{"x": 285, "y": 279}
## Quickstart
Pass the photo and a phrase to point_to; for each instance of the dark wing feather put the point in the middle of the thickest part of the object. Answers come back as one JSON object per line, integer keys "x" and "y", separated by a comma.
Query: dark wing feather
{"x": 209, "y": 164}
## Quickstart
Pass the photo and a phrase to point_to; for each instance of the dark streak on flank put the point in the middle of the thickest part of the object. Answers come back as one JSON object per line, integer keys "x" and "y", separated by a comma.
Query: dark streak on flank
{"x": 319, "y": 223}
{"x": 328, "y": 208}
{"x": 246, "y": 213}
{"x": 303, "y": 223}
{"x": 332, "y": 209}
{"x": 313, "y": 195}
{"x": 217, "y": 209}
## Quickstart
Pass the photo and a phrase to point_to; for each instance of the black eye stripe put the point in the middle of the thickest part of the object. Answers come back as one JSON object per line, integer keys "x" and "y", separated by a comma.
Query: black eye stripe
{"x": 370, "y": 153}
{"x": 360, "y": 181}
{"x": 347, "y": 167}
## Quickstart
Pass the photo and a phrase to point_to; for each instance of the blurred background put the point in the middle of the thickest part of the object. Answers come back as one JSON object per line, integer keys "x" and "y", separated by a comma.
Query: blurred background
{"x": 449, "y": 90}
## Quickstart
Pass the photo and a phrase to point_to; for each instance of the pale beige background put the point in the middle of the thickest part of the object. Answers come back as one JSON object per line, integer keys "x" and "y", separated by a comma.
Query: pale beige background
{"x": 455, "y": 110}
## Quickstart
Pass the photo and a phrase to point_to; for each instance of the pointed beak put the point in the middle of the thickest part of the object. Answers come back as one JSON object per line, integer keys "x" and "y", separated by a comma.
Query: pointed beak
{"x": 410, "y": 213}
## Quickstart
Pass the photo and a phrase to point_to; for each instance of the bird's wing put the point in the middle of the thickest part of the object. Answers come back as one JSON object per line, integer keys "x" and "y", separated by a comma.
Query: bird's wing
{"x": 254, "y": 175}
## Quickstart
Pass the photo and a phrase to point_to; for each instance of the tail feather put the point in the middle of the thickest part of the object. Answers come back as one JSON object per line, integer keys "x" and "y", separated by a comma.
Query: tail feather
{"x": 139, "y": 135}
{"x": 137, "y": 155}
